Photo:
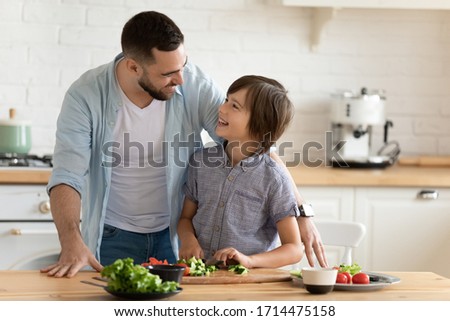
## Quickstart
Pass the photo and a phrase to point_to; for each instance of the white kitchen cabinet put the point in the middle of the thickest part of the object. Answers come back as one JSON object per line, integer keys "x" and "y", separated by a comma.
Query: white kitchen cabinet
{"x": 330, "y": 203}
{"x": 28, "y": 236}
{"x": 404, "y": 232}
{"x": 370, "y": 4}
{"x": 323, "y": 11}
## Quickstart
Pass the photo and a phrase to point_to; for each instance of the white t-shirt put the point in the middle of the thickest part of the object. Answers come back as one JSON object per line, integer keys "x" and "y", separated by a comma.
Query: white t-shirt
{"x": 138, "y": 196}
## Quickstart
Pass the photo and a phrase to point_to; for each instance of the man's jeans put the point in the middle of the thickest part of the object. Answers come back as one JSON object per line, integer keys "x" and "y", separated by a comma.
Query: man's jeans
{"x": 120, "y": 244}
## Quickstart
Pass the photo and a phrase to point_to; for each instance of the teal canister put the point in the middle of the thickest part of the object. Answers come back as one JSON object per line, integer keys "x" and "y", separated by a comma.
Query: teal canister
{"x": 15, "y": 135}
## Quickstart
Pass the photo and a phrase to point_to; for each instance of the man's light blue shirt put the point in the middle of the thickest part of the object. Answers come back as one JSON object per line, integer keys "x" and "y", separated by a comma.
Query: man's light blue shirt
{"x": 83, "y": 155}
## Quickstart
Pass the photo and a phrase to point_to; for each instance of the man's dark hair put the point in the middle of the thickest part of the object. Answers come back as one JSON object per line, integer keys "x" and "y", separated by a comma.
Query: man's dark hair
{"x": 148, "y": 30}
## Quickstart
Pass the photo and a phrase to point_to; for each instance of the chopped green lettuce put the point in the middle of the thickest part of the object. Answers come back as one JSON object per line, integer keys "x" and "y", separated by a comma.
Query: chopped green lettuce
{"x": 197, "y": 267}
{"x": 352, "y": 269}
{"x": 125, "y": 276}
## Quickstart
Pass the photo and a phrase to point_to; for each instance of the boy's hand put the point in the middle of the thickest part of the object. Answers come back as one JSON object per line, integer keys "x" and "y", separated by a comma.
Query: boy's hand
{"x": 190, "y": 250}
{"x": 230, "y": 254}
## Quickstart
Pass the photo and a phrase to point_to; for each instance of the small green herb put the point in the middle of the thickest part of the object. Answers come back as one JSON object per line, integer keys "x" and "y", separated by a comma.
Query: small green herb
{"x": 297, "y": 273}
{"x": 238, "y": 269}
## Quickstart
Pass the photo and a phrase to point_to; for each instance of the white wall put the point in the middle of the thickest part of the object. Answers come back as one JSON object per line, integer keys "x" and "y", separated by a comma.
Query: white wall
{"x": 45, "y": 45}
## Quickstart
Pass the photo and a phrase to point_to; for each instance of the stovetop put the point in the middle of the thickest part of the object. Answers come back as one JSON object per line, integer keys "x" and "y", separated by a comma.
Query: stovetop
{"x": 25, "y": 160}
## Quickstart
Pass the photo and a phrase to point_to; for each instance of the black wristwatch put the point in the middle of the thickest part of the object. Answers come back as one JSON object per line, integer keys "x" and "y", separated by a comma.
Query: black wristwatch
{"x": 306, "y": 210}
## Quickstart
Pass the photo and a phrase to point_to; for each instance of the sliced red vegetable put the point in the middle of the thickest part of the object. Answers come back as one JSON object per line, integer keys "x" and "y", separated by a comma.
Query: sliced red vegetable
{"x": 186, "y": 268}
{"x": 154, "y": 261}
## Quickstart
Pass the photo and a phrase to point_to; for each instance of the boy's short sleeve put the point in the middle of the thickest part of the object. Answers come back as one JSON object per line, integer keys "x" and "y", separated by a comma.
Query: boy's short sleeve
{"x": 282, "y": 201}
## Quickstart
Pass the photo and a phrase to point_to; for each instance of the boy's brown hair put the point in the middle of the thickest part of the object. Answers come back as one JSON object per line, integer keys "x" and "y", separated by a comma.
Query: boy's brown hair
{"x": 271, "y": 111}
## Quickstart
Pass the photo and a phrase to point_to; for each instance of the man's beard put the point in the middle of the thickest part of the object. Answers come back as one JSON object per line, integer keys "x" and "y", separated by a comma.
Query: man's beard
{"x": 145, "y": 84}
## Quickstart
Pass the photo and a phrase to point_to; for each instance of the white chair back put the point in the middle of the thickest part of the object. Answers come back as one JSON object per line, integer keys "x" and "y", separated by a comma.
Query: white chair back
{"x": 338, "y": 233}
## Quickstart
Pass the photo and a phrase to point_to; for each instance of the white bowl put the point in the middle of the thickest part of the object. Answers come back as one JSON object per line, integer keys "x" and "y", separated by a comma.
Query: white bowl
{"x": 319, "y": 280}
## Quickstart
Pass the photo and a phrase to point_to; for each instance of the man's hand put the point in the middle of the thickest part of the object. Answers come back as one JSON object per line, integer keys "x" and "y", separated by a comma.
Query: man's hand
{"x": 65, "y": 202}
{"x": 71, "y": 260}
{"x": 312, "y": 241}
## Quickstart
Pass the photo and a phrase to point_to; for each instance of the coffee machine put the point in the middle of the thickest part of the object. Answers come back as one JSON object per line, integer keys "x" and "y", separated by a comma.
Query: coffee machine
{"x": 353, "y": 118}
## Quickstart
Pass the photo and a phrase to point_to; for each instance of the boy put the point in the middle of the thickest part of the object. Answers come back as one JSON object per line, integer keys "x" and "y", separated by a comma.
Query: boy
{"x": 237, "y": 200}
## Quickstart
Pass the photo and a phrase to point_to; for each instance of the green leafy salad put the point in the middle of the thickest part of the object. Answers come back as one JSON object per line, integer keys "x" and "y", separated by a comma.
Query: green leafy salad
{"x": 125, "y": 276}
{"x": 352, "y": 269}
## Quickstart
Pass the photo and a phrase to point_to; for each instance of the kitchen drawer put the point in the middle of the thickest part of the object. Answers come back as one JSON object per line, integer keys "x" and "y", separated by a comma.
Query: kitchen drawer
{"x": 24, "y": 203}
{"x": 28, "y": 245}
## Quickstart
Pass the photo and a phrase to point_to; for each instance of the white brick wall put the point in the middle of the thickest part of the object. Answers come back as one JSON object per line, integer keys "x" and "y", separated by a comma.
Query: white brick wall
{"x": 45, "y": 45}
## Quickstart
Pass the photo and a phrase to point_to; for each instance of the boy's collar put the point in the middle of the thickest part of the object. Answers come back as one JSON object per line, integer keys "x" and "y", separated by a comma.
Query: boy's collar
{"x": 245, "y": 163}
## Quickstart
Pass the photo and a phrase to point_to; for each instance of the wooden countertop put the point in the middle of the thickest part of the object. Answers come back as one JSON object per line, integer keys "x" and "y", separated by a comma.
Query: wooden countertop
{"x": 395, "y": 176}
{"x": 32, "y": 285}
{"x": 9, "y": 175}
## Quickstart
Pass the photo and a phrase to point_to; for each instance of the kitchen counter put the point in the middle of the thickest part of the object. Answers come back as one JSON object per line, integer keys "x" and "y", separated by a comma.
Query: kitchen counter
{"x": 32, "y": 285}
{"x": 26, "y": 175}
{"x": 394, "y": 176}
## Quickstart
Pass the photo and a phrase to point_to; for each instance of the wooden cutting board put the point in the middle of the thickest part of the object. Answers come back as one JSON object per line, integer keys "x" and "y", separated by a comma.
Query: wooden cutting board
{"x": 259, "y": 275}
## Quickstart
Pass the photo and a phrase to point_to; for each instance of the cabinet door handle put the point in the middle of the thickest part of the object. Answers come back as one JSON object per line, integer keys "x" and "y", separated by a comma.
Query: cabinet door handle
{"x": 428, "y": 195}
{"x": 44, "y": 207}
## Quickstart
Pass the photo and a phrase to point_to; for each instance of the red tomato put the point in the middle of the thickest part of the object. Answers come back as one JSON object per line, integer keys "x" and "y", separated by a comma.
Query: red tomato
{"x": 349, "y": 277}
{"x": 360, "y": 278}
{"x": 186, "y": 268}
{"x": 341, "y": 278}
